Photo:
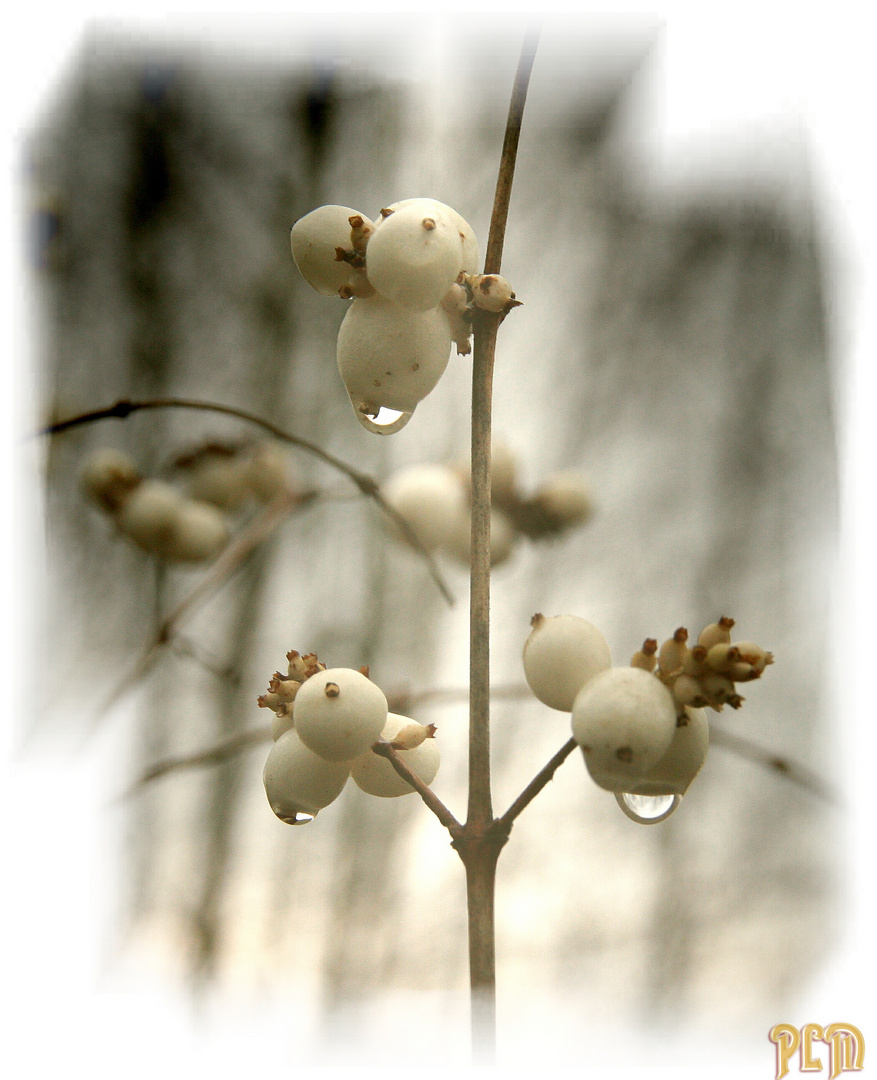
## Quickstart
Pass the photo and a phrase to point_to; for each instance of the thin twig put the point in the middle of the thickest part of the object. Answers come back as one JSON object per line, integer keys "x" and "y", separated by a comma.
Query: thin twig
{"x": 485, "y": 327}
{"x": 508, "y": 158}
{"x": 776, "y": 763}
{"x": 214, "y": 755}
{"x": 479, "y": 846}
{"x": 539, "y": 781}
{"x": 385, "y": 749}
{"x": 366, "y": 484}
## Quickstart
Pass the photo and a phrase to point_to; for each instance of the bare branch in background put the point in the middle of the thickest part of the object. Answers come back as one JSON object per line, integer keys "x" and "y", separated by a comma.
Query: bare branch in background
{"x": 366, "y": 484}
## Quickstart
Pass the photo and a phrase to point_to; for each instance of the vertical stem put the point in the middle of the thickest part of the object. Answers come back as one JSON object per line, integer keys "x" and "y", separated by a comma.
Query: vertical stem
{"x": 480, "y": 891}
{"x": 480, "y": 807}
{"x": 479, "y": 849}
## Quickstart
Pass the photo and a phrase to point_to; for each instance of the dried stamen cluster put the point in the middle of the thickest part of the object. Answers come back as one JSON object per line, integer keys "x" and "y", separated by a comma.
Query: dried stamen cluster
{"x": 704, "y": 675}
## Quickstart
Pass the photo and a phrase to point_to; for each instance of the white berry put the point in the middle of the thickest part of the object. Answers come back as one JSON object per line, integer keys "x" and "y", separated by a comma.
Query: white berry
{"x": 376, "y": 776}
{"x": 471, "y": 257}
{"x": 430, "y": 498}
{"x": 390, "y": 357}
{"x": 339, "y": 713}
{"x": 561, "y": 655}
{"x": 624, "y": 720}
{"x": 149, "y": 515}
{"x": 109, "y": 477}
{"x": 682, "y": 761}
{"x": 298, "y": 781}
{"x": 314, "y": 240}
{"x": 415, "y": 255}
{"x": 200, "y": 533}
{"x": 503, "y": 538}
{"x": 564, "y": 499}
{"x": 492, "y": 292}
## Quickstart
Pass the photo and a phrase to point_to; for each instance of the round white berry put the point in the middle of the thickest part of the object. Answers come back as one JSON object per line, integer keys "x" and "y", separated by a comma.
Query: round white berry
{"x": 220, "y": 479}
{"x": 299, "y": 782}
{"x": 376, "y": 776}
{"x": 491, "y": 292}
{"x": 471, "y": 258}
{"x": 314, "y": 240}
{"x": 267, "y": 471}
{"x": 503, "y": 538}
{"x": 624, "y": 720}
{"x": 430, "y": 498}
{"x": 200, "y": 532}
{"x": 150, "y": 514}
{"x": 415, "y": 255}
{"x": 390, "y": 357}
{"x": 561, "y": 655}
{"x": 682, "y": 761}
{"x": 339, "y": 713}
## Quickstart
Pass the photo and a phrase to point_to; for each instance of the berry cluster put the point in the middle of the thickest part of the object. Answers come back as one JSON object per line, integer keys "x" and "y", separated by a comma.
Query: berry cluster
{"x": 156, "y": 516}
{"x": 325, "y": 722}
{"x": 435, "y": 501}
{"x": 642, "y": 728}
{"x": 186, "y": 526}
{"x": 412, "y": 276}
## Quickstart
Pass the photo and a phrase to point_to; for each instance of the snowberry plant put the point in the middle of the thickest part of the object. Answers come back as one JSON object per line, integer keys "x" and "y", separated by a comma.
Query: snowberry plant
{"x": 415, "y": 288}
{"x": 412, "y": 281}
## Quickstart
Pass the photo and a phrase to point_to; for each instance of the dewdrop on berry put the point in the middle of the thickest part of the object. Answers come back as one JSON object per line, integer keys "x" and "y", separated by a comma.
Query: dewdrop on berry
{"x": 561, "y": 655}
{"x": 339, "y": 713}
{"x": 390, "y": 358}
{"x": 316, "y": 239}
{"x": 376, "y": 776}
{"x": 471, "y": 258}
{"x": 298, "y": 782}
{"x": 624, "y": 720}
{"x": 430, "y": 498}
{"x": 415, "y": 255}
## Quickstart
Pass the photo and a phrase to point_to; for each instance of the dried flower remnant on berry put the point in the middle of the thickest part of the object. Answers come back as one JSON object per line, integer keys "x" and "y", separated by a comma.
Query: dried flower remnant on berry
{"x": 645, "y": 657}
{"x": 705, "y": 675}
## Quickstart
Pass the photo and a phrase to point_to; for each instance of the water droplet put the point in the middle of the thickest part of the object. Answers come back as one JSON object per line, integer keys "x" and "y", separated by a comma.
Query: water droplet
{"x": 647, "y": 809}
{"x": 384, "y": 421}
{"x": 298, "y": 818}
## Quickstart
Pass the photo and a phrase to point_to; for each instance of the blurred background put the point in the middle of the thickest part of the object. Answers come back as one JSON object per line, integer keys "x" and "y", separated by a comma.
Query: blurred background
{"x": 675, "y": 348}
